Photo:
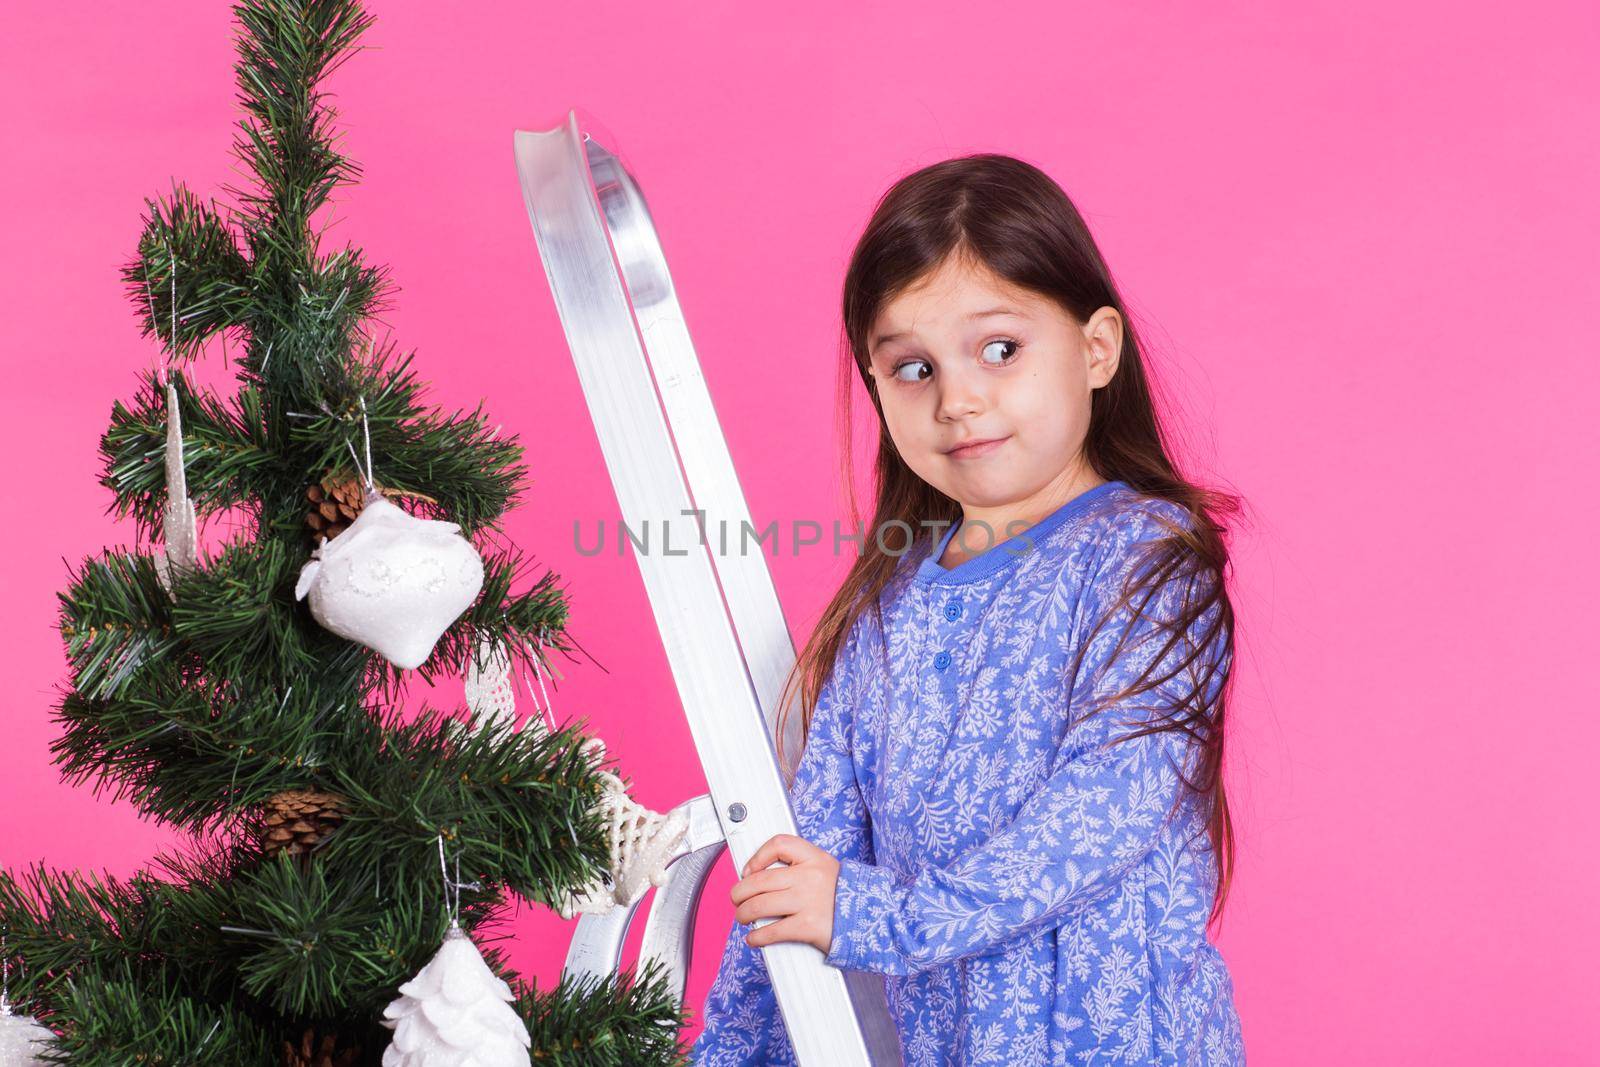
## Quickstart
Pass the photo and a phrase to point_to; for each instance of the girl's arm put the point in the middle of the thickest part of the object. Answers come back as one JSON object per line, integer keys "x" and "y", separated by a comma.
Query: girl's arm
{"x": 1091, "y": 821}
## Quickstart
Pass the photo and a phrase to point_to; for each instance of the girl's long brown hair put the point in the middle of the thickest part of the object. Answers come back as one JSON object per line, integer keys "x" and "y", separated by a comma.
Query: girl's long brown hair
{"x": 1013, "y": 218}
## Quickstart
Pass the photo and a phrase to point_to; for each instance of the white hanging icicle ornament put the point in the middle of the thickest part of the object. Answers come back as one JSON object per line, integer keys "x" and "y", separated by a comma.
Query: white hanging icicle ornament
{"x": 22, "y": 1037}
{"x": 642, "y": 841}
{"x": 456, "y": 1012}
{"x": 180, "y": 542}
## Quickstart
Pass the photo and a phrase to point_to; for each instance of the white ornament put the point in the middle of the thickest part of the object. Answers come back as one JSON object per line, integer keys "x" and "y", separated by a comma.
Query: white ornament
{"x": 489, "y": 692}
{"x": 179, "y": 554}
{"x": 456, "y": 1013}
{"x": 22, "y": 1038}
{"x": 392, "y": 581}
{"x": 642, "y": 841}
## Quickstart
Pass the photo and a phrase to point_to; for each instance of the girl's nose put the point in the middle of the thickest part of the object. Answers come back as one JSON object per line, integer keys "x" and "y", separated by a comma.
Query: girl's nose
{"x": 959, "y": 397}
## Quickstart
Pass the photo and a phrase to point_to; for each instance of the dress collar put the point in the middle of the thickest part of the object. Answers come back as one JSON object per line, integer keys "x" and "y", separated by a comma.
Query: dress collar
{"x": 996, "y": 558}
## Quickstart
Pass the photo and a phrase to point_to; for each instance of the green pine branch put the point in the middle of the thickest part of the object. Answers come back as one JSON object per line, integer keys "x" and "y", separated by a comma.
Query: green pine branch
{"x": 235, "y": 617}
{"x": 455, "y": 464}
{"x": 148, "y": 720}
{"x": 116, "y": 620}
{"x": 279, "y": 941}
{"x": 517, "y": 808}
{"x": 116, "y": 1018}
{"x": 255, "y": 953}
{"x": 305, "y": 324}
{"x": 629, "y": 1018}
{"x": 183, "y": 762}
{"x": 226, "y": 462}
{"x": 65, "y": 925}
{"x": 189, "y": 280}
{"x": 239, "y": 616}
{"x": 286, "y": 48}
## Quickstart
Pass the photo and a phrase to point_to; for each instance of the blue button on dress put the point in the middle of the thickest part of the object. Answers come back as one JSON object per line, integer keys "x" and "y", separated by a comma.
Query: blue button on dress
{"x": 1030, "y": 892}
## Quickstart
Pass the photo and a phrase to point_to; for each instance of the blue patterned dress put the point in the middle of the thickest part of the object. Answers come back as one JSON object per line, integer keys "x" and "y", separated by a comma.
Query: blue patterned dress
{"x": 1031, "y": 894}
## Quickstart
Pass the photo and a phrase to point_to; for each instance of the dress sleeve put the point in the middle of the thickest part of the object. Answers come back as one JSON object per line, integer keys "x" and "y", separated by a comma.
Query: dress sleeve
{"x": 742, "y": 1022}
{"x": 1095, "y": 816}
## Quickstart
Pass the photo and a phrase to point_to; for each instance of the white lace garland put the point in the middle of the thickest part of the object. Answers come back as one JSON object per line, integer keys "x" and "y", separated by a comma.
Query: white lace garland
{"x": 642, "y": 841}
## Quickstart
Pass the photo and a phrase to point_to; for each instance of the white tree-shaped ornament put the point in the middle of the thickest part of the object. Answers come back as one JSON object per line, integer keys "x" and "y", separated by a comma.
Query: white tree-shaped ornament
{"x": 22, "y": 1038}
{"x": 456, "y": 1013}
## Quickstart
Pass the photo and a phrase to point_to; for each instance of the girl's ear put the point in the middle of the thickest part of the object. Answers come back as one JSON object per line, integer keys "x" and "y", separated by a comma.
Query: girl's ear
{"x": 1102, "y": 346}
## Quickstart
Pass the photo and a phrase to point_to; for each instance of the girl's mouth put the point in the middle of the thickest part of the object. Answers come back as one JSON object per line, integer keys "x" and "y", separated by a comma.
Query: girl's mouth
{"x": 977, "y": 448}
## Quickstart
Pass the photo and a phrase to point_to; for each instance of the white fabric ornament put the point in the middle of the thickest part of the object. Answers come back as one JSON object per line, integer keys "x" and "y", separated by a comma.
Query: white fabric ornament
{"x": 489, "y": 691}
{"x": 179, "y": 554}
{"x": 22, "y": 1038}
{"x": 456, "y": 1013}
{"x": 642, "y": 841}
{"x": 392, "y": 581}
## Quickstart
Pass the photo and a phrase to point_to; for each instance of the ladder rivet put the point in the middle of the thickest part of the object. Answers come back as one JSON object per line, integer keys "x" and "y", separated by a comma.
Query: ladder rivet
{"x": 736, "y": 812}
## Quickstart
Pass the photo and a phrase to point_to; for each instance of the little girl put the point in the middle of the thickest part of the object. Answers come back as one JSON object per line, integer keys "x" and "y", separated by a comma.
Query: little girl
{"x": 1010, "y": 801}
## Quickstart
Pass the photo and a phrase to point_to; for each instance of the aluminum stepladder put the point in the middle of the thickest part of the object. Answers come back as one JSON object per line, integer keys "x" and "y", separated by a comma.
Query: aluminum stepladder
{"x": 718, "y": 614}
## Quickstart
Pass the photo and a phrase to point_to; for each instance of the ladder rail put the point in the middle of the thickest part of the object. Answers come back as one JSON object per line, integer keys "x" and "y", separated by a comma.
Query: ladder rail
{"x": 720, "y": 620}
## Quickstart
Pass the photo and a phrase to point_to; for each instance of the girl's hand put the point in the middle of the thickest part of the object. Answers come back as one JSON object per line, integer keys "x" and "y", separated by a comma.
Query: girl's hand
{"x": 802, "y": 892}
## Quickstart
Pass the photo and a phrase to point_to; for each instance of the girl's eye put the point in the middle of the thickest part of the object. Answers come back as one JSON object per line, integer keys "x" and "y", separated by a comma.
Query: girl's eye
{"x": 910, "y": 363}
{"x": 929, "y": 369}
{"x": 1001, "y": 341}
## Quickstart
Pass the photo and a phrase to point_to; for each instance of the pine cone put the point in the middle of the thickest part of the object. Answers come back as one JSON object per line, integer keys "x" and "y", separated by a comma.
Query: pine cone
{"x": 315, "y": 1051}
{"x": 336, "y": 502}
{"x": 299, "y": 820}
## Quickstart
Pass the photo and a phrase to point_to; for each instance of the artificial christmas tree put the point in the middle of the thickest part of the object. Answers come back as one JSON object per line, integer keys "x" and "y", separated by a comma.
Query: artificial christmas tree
{"x": 208, "y": 693}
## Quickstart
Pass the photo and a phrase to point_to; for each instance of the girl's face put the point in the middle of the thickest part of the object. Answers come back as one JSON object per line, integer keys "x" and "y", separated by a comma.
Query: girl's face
{"x": 965, "y": 356}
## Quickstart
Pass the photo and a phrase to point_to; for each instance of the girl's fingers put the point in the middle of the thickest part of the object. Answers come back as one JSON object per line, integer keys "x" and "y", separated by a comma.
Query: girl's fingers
{"x": 785, "y": 847}
{"x": 789, "y": 929}
{"x": 762, "y": 882}
{"x": 767, "y": 905}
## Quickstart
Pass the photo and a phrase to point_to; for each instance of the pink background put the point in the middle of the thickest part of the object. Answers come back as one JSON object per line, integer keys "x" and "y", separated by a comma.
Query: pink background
{"x": 1360, "y": 238}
